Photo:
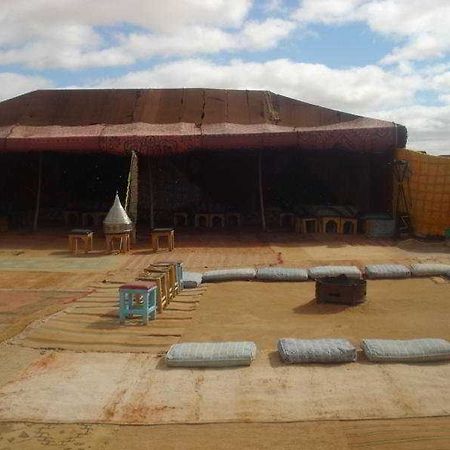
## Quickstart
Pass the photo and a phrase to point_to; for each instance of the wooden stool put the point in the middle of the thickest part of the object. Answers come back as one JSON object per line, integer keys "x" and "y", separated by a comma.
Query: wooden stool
{"x": 85, "y": 236}
{"x": 218, "y": 219}
{"x": 287, "y": 217}
{"x": 233, "y": 219}
{"x": 123, "y": 238}
{"x": 178, "y": 273}
{"x": 167, "y": 233}
{"x": 330, "y": 223}
{"x": 162, "y": 282}
{"x": 349, "y": 225}
{"x": 201, "y": 220}
{"x": 309, "y": 223}
{"x": 180, "y": 219}
{"x": 171, "y": 270}
{"x": 138, "y": 298}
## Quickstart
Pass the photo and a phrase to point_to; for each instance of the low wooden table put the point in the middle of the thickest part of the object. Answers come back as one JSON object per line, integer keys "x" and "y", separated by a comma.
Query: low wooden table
{"x": 216, "y": 220}
{"x": 349, "y": 225}
{"x": 324, "y": 221}
{"x": 305, "y": 221}
{"x": 233, "y": 219}
{"x": 166, "y": 233}
{"x": 85, "y": 236}
{"x": 123, "y": 238}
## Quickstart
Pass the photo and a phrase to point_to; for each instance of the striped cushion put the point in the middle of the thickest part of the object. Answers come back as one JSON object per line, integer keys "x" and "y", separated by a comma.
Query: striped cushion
{"x": 296, "y": 351}
{"x": 281, "y": 274}
{"x": 430, "y": 269}
{"x": 229, "y": 275}
{"x": 413, "y": 350}
{"x": 211, "y": 354}
{"x": 334, "y": 271}
{"x": 378, "y": 271}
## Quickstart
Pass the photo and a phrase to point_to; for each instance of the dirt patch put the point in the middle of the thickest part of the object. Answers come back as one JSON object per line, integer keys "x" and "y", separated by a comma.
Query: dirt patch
{"x": 92, "y": 324}
{"x": 406, "y": 434}
{"x": 19, "y": 308}
{"x": 139, "y": 389}
{"x": 265, "y": 312}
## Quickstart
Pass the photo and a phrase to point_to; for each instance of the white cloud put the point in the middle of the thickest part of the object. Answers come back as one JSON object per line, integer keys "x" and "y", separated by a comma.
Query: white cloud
{"x": 428, "y": 126}
{"x": 72, "y": 34}
{"x": 357, "y": 89}
{"x": 422, "y": 28}
{"x": 164, "y": 16}
{"x": 266, "y": 34}
{"x": 69, "y": 34}
{"x": 328, "y": 11}
{"x": 12, "y": 84}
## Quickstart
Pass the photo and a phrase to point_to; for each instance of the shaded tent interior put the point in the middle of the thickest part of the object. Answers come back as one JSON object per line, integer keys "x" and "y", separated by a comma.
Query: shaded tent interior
{"x": 203, "y": 146}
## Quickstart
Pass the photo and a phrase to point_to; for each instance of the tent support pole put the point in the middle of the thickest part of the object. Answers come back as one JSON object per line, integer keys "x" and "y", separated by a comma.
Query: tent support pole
{"x": 150, "y": 191}
{"x": 261, "y": 195}
{"x": 38, "y": 194}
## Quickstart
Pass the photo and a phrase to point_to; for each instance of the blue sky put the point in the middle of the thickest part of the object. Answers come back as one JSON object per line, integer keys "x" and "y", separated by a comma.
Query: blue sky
{"x": 382, "y": 58}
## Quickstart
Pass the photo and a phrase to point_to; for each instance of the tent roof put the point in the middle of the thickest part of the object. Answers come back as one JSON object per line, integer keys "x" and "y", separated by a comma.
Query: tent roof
{"x": 159, "y": 121}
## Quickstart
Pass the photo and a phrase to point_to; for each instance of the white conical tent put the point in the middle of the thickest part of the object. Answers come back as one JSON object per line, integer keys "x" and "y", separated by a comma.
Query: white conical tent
{"x": 117, "y": 220}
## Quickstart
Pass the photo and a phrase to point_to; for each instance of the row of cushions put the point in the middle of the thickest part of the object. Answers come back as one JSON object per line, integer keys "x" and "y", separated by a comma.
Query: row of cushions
{"x": 375, "y": 271}
{"x": 372, "y": 272}
{"x": 377, "y": 350}
{"x": 301, "y": 351}
{"x": 279, "y": 273}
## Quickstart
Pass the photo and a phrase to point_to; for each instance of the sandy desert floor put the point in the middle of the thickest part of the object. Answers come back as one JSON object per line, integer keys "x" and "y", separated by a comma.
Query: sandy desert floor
{"x": 72, "y": 378}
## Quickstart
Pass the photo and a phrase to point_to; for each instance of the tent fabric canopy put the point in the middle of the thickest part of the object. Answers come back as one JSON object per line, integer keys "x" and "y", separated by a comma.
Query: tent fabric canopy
{"x": 166, "y": 121}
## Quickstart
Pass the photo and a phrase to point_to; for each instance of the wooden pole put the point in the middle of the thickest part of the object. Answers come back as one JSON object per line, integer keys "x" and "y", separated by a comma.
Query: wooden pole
{"x": 38, "y": 194}
{"x": 150, "y": 191}
{"x": 261, "y": 195}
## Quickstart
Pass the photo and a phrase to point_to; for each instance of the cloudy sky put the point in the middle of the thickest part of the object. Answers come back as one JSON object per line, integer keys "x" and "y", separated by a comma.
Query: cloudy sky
{"x": 383, "y": 58}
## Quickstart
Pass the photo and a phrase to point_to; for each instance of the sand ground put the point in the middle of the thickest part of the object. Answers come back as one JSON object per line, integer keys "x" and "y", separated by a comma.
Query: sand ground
{"x": 258, "y": 311}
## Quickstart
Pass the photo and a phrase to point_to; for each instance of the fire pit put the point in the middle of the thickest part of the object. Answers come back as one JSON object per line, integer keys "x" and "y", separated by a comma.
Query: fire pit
{"x": 342, "y": 290}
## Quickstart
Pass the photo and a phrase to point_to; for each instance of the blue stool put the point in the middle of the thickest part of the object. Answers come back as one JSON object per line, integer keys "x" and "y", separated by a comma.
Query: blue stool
{"x": 138, "y": 299}
{"x": 178, "y": 273}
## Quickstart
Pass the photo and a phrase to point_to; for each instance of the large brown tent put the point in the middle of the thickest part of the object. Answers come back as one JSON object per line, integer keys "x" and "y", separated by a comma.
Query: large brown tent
{"x": 166, "y": 121}
{"x": 206, "y": 146}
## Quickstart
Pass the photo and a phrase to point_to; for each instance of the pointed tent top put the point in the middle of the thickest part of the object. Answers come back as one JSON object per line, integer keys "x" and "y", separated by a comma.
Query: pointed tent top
{"x": 117, "y": 214}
